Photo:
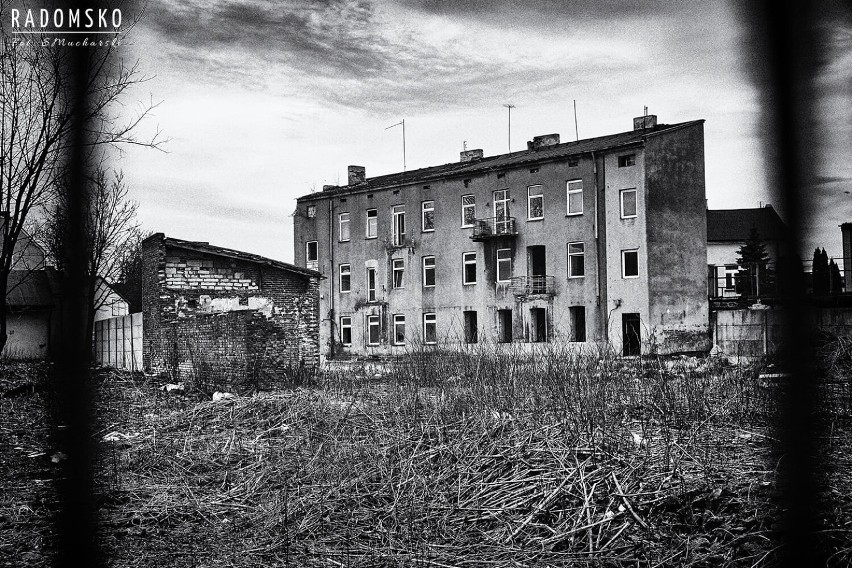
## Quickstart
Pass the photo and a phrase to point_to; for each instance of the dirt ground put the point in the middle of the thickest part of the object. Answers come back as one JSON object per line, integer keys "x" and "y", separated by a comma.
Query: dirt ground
{"x": 380, "y": 475}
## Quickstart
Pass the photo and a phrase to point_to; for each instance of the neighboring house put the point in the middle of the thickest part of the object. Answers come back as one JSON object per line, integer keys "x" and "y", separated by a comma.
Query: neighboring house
{"x": 225, "y": 314}
{"x": 109, "y": 302}
{"x": 31, "y": 299}
{"x": 599, "y": 240}
{"x": 31, "y": 314}
{"x": 727, "y": 231}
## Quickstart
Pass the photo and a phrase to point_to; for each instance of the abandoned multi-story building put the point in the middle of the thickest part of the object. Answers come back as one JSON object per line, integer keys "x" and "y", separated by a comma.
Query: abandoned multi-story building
{"x": 600, "y": 240}
{"x": 225, "y": 314}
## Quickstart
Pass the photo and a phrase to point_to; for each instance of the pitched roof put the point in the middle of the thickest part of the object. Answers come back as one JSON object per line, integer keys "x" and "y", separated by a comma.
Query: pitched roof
{"x": 547, "y": 153}
{"x": 207, "y": 248}
{"x": 734, "y": 225}
{"x": 30, "y": 288}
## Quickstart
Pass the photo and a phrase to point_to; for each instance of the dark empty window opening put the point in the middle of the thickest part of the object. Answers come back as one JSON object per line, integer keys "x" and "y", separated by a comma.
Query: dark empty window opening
{"x": 466, "y": 182}
{"x": 630, "y": 332}
{"x": 577, "y": 316}
{"x": 501, "y": 175}
{"x": 396, "y": 192}
{"x": 533, "y": 170}
{"x": 504, "y": 326}
{"x": 471, "y": 330}
{"x": 343, "y": 200}
{"x": 538, "y": 325}
{"x": 369, "y": 196}
{"x": 427, "y": 187}
{"x": 626, "y": 160}
{"x": 573, "y": 162}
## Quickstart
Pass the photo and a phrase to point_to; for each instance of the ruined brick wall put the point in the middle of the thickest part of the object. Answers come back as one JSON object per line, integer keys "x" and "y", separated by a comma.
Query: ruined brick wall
{"x": 227, "y": 319}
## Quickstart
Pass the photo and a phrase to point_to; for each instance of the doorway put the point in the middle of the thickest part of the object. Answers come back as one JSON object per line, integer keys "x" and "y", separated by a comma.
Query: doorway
{"x": 631, "y": 334}
{"x": 538, "y": 325}
{"x": 537, "y": 269}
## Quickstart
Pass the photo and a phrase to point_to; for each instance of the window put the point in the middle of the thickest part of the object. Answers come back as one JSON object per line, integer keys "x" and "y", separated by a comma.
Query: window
{"x": 346, "y": 330}
{"x": 372, "y": 220}
{"x": 398, "y": 212}
{"x": 311, "y": 211}
{"x": 311, "y": 255}
{"x": 398, "y": 273}
{"x": 577, "y": 320}
{"x": 428, "y": 271}
{"x": 535, "y": 203}
{"x": 428, "y": 216}
{"x": 575, "y": 197}
{"x": 398, "y": 329}
{"x": 628, "y": 203}
{"x": 430, "y": 328}
{"x": 630, "y": 263}
{"x": 573, "y": 162}
{"x": 504, "y": 265}
{"x": 371, "y": 284}
{"x": 471, "y": 331}
{"x": 504, "y": 326}
{"x": 469, "y": 274}
{"x": 345, "y": 278}
{"x": 373, "y": 330}
{"x": 343, "y": 227}
{"x": 576, "y": 260}
{"x": 626, "y": 160}
{"x": 468, "y": 210}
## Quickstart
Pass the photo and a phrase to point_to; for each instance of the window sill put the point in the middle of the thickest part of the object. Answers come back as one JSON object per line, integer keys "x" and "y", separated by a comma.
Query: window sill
{"x": 428, "y": 231}
{"x": 573, "y": 214}
{"x": 629, "y": 216}
{"x": 623, "y": 277}
{"x": 370, "y": 238}
{"x": 535, "y": 219}
{"x": 576, "y": 277}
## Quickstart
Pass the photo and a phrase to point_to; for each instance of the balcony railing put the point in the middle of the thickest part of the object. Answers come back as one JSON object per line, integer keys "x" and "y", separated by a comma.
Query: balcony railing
{"x": 493, "y": 227}
{"x": 528, "y": 285}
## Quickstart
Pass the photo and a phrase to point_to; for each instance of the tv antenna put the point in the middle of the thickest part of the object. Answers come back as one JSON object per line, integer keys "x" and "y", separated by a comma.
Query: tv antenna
{"x": 402, "y": 122}
{"x": 576, "y": 130}
{"x": 510, "y": 107}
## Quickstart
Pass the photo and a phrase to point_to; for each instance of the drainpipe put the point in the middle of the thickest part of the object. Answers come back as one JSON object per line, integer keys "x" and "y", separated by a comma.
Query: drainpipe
{"x": 597, "y": 238}
{"x": 331, "y": 316}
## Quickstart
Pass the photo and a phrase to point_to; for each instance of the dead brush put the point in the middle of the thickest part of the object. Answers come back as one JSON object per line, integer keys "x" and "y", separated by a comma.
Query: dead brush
{"x": 475, "y": 457}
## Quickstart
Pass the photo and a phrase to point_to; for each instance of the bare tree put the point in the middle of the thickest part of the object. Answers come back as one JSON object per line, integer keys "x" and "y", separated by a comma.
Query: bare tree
{"x": 111, "y": 230}
{"x": 36, "y": 125}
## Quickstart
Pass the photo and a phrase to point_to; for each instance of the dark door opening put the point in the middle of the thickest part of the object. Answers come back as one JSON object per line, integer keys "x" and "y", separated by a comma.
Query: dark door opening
{"x": 504, "y": 326}
{"x": 471, "y": 331}
{"x": 538, "y": 325}
{"x": 578, "y": 323}
{"x": 631, "y": 335}
{"x": 537, "y": 269}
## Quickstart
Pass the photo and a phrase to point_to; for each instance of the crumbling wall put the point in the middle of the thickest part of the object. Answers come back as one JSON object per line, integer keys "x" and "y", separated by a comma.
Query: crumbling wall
{"x": 216, "y": 319}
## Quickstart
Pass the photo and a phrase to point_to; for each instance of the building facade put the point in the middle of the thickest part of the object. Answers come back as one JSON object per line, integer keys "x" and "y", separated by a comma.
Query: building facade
{"x": 596, "y": 241}
{"x": 225, "y": 315}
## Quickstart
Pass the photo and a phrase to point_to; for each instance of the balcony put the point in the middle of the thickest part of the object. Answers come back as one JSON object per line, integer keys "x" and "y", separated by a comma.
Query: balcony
{"x": 530, "y": 285}
{"x": 494, "y": 227}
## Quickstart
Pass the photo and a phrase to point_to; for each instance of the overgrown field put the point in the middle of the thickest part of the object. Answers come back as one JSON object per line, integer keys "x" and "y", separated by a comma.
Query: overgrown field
{"x": 438, "y": 459}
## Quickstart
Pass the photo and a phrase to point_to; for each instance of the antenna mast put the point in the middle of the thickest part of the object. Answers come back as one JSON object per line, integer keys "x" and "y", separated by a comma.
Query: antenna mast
{"x": 510, "y": 107}
{"x": 402, "y": 122}
{"x": 576, "y": 130}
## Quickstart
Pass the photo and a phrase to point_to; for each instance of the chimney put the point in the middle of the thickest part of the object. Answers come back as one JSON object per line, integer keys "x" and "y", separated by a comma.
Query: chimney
{"x": 542, "y": 141}
{"x": 470, "y": 156}
{"x": 357, "y": 174}
{"x": 643, "y": 122}
{"x": 328, "y": 187}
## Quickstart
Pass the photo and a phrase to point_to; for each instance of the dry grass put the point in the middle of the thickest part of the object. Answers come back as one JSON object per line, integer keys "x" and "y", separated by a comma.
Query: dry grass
{"x": 449, "y": 459}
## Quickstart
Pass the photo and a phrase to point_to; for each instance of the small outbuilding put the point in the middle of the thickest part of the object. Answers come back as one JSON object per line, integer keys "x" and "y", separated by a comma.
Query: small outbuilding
{"x": 225, "y": 318}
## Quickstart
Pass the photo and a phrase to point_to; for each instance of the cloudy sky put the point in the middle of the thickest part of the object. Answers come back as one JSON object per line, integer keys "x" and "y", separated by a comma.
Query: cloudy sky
{"x": 263, "y": 101}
